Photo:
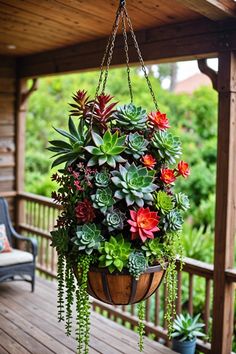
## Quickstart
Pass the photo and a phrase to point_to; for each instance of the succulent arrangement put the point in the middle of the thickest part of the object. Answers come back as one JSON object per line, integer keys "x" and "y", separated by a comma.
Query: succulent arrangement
{"x": 116, "y": 188}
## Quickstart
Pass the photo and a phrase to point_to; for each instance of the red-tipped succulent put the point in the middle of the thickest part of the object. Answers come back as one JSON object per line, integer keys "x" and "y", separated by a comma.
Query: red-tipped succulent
{"x": 158, "y": 120}
{"x": 183, "y": 169}
{"x": 143, "y": 223}
{"x": 148, "y": 161}
{"x": 82, "y": 104}
{"x": 167, "y": 175}
{"x": 103, "y": 111}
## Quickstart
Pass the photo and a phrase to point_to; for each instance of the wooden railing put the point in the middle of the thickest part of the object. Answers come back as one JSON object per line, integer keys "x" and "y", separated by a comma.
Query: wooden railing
{"x": 37, "y": 215}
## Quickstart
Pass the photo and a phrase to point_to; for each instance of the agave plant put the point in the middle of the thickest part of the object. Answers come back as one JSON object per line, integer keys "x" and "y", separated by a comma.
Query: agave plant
{"x": 137, "y": 264}
{"x": 69, "y": 151}
{"x": 88, "y": 238}
{"x": 168, "y": 146}
{"x": 187, "y": 328}
{"x": 103, "y": 199}
{"x": 131, "y": 117}
{"x": 163, "y": 202}
{"x": 136, "y": 145}
{"x": 107, "y": 150}
{"x": 134, "y": 184}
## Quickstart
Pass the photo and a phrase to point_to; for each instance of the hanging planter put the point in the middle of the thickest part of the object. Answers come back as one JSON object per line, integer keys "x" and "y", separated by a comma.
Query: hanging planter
{"x": 120, "y": 229}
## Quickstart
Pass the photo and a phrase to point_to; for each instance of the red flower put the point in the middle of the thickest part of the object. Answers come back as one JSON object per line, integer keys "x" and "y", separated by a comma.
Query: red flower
{"x": 143, "y": 223}
{"x": 149, "y": 161}
{"x": 78, "y": 186}
{"x": 183, "y": 169}
{"x": 84, "y": 211}
{"x": 167, "y": 175}
{"x": 159, "y": 120}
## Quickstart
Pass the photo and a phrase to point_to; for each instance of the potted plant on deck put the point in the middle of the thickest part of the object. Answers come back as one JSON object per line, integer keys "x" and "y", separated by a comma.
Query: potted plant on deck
{"x": 119, "y": 231}
{"x": 186, "y": 329}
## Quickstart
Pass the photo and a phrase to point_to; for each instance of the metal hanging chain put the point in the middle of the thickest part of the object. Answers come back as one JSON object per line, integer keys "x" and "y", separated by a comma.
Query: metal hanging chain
{"x": 126, "y": 47}
{"x": 140, "y": 58}
{"x": 110, "y": 54}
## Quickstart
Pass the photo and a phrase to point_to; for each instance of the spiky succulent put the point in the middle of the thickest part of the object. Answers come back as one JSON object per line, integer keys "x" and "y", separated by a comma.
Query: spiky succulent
{"x": 115, "y": 253}
{"x": 69, "y": 151}
{"x": 134, "y": 183}
{"x": 88, "y": 238}
{"x": 181, "y": 201}
{"x": 153, "y": 250}
{"x": 107, "y": 150}
{"x": 103, "y": 111}
{"x": 168, "y": 146}
{"x": 102, "y": 179}
{"x": 163, "y": 202}
{"x": 60, "y": 240}
{"x": 131, "y": 117}
{"x": 137, "y": 264}
{"x": 136, "y": 145}
{"x": 187, "y": 328}
{"x": 173, "y": 221}
{"x": 81, "y": 105}
{"x": 103, "y": 199}
{"x": 115, "y": 220}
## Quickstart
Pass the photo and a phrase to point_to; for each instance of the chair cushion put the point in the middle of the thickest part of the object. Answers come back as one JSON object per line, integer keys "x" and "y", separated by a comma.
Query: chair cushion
{"x": 15, "y": 257}
{"x": 4, "y": 243}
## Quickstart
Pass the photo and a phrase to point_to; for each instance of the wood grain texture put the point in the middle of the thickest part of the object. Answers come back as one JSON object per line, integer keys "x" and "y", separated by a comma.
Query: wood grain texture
{"x": 7, "y": 125}
{"x": 31, "y": 325}
{"x": 212, "y": 9}
{"x": 225, "y": 205}
{"x": 35, "y": 27}
{"x": 183, "y": 41}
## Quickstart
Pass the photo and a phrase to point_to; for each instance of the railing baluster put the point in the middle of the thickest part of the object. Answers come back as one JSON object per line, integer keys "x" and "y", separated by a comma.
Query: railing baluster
{"x": 207, "y": 304}
{"x": 190, "y": 301}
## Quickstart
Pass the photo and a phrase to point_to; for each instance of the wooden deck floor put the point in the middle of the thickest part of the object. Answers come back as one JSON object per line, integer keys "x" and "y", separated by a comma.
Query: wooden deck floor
{"x": 28, "y": 324}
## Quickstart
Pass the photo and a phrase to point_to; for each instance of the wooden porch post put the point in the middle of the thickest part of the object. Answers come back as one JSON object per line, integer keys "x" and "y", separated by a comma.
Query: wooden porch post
{"x": 223, "y": 312}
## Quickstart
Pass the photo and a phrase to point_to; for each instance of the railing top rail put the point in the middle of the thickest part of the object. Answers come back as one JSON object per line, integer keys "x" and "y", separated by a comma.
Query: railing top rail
{"x": 38, "y": 199}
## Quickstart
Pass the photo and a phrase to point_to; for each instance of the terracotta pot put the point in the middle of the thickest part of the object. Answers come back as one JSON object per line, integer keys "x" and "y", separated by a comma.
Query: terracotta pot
{"x": 120, "y": 288}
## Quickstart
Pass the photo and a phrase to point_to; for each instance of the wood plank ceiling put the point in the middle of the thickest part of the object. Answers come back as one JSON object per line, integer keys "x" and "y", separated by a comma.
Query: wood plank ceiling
{"x": 33, "y": 26}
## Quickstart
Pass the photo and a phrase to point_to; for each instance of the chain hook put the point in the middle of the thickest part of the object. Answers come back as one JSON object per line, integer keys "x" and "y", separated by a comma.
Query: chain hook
{"x": 122, "y": 3}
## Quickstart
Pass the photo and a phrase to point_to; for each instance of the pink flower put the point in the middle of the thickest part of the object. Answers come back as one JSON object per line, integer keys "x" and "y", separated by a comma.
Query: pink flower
{"x": 143, "y": 223}
{"x": 78, "y": 186}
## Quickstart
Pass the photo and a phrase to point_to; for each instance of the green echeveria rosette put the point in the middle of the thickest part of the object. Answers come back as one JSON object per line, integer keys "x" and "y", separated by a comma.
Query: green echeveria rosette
{"x": 134, "y": 183}
{"x": 115, "y": 253}
{"x": 173, "y": 221}
{"x": 181, "y": 201}
{"x": 131, "y": 117}
{"x": 153, "y": 250}
{"x": 88, "y": 238}
{"x": 136, "y": 145}
{"x": 168, "y": 146}
{"x": 115, "y": 220}
{"x": 107, "y": 150}
{"x": 103, "y": 199}
{"x": 163, "y": 202}
{"x": 102, "y": 179}
{"x": 137, "y": 264}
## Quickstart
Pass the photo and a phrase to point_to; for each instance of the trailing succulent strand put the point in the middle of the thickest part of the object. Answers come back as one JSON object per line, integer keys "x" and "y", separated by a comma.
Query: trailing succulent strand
{"x": 83, "y": 306}
{"x": 70, "y": 288}
{"x": 60, "y": 287}
{"x": 141, "y": 325}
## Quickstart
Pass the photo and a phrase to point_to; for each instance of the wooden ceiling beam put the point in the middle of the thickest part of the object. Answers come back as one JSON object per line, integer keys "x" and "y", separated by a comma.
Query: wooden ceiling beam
{"x": 191, "y": 40}
{"x": 213, "y": 9}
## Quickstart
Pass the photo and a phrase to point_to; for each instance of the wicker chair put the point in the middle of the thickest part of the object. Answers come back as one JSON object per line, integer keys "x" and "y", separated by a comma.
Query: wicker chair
{"x": 18, "y": 263}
